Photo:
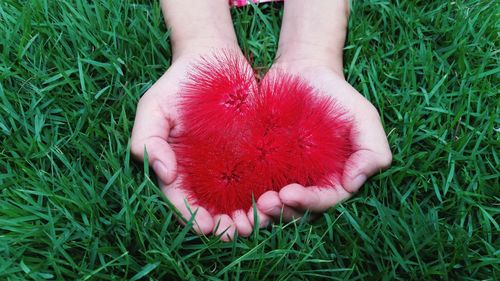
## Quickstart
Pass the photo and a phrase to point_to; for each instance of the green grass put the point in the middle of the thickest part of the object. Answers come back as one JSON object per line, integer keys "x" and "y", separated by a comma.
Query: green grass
{"x": 73, "y": 205}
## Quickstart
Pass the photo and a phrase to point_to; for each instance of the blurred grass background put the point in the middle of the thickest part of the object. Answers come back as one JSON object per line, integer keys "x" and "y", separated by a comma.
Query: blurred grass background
{"x": 73, "y": 205}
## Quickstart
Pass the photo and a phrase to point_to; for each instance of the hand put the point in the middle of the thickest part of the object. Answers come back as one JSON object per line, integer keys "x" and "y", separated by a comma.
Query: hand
{"x": 156, "y": 125}
{"x": 196, "y": 30}
{"x": 311, "y": 46}
{"x": 372, "y": 150}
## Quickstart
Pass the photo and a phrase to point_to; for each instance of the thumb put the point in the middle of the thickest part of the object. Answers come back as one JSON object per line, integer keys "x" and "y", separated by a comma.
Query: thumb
{"x": 361, "y": 165}
{"x": 150, "y": 133}
{"x": 161, "y": 158}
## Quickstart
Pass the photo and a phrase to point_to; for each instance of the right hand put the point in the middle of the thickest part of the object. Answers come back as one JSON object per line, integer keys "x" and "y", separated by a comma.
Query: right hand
{"x": 156, "y": 125}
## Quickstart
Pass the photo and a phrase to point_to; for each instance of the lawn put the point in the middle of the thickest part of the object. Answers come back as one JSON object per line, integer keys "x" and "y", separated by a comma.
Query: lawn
{"x": 74, "y": 205}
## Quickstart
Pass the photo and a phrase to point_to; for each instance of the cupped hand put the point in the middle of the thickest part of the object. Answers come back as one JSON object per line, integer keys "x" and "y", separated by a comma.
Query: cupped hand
{"x": 156, "y": 127}
{"x": 372, "y": 152}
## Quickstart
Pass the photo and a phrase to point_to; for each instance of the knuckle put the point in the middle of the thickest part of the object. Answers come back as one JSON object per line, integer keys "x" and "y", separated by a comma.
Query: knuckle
{"x": 373, "y": 112}
{"x": 142, "y": 101}
{"x": 136, "y": 148}
{"x": 386, "y": 159}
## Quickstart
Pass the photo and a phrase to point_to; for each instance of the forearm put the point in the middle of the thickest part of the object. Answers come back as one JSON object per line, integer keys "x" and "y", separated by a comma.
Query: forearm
{"x": 198, "y": 25}
{"x": 314, "y": 32}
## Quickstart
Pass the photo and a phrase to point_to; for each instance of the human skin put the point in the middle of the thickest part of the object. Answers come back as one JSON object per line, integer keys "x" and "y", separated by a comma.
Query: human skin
{"x": 311, "y": 43}
{"x": 196, "y": 30}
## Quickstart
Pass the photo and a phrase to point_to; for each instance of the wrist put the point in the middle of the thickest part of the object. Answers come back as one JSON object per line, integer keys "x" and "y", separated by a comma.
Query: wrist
{"x": 201, "y": 45}
{"x": 193, "y": 28}
{"x": 302, "y": 55}
{"x": 313, "y": 33}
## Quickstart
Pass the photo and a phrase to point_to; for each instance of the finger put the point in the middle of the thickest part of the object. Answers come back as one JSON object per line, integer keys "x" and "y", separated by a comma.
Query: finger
{"x": 314, "y": 199}
{"x": 270, "y": 204}
{"x": 361, "y": 165}
{"x": 289, "y": 214}
{"x": 150, "y": 133}
{"x": 369, "y": 133}
{"x": 242, "y": 223}
{"x": 372, "y": 154}
{"x": 203, "y": 223}
{"x": 224, "y": 226}
{"x": 263, "y": 219}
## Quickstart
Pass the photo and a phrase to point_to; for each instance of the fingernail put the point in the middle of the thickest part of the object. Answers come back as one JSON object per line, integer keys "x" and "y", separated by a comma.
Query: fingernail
{"x": 357, "y": 182}
{"x": 160, "y": 169}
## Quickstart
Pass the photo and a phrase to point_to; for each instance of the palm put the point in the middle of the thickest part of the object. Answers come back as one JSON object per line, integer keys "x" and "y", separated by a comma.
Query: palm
{"x": 156, "y": 126}
{"x": 371, "y": 153}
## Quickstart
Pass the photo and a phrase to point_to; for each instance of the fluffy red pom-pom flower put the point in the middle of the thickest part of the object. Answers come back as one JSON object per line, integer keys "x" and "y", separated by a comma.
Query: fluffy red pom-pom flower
{"x": 243, "y": 138}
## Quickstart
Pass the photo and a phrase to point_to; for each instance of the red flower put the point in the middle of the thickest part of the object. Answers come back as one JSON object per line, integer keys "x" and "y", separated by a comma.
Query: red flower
{"x": 243, "y": 138}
